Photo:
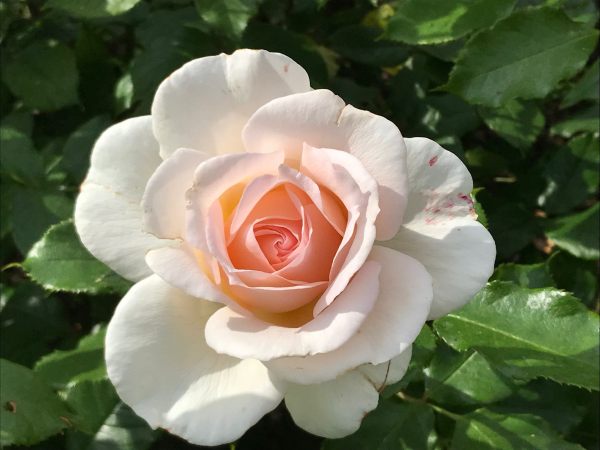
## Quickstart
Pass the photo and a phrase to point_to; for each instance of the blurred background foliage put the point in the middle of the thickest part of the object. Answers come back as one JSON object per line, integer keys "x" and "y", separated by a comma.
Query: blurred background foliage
{"x": 510, "y": 86}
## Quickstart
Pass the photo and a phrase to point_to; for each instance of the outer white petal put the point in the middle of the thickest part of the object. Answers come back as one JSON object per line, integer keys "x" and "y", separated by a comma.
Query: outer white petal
{"x": 333, "y": 409}
{"x": 205, "y": 104}
{"x": 389, "y": 372}
{"x": 440, "y": 228}
{"x": 321, "y": 119}
{"x": 178, "y": 266}
{"x": 160, "y": 365}
{"x": 405, "y": 294}
{"x": 108, "y": 215}
{"x": 164, "y": 202}
{"x": 232, "y": 333}
{"x": 336, "y": 408}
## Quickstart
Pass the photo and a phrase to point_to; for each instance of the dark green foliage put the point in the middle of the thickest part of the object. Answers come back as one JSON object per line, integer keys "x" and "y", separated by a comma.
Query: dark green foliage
{"x": 509, "y": 86}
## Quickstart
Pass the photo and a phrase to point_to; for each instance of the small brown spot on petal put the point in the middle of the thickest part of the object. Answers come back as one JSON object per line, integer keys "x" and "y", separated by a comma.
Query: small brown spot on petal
{"x": 433, "y": 160}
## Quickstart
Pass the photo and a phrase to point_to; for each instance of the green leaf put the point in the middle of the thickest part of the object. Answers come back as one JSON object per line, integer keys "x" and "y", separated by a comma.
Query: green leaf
{"x": 584, "y": 121}
{"x": 77, "y": 149}
{"x": 571, "y": 175}
{"x": 229, "y": 17}
{"x": 31, "y": 324}
{"x": 485, "y": 429}
{"x": 92, "y": 9}
{"x": 512, "y": 225}
{"x": 449, "y": 115}
{"x": 584, "y": 11}
{"x": 104, "y": 426}
{"x": 21, "y": 121}
{"x": 485, "y": 162}
{"x": 526, "y": 275}
{"x": 433, "y": 22}
{"x": 465, "y": 378}
{"x": 18, "y": 159}
{"x": 5, "y": 209}
{"x": 31, "y": 411}
{"x": 524, "y": 55}
{"x": 33, "y": 211}
{"x": 354, "y": 93}
{"x": 478, "y": 207}
{"x": 575, "y": 275}
{"x": 586, "y": 88}
{"x": 392, "y": 426}
{"x": 10, "y": 11}
{"x": 578, "y": 233}
{"x": 176, "y": 26}
{"x": 85, "y": 362}
{"x": 92, "y": 402}
{"x": 361, "y": 44}
{"x": 517, "y": 122}
{"x": 44, "y": 75}
{"x": 446, "y": 52}
{"x": 523, "y": 332}
{"x": 97, "y": 71}
{"x": 561, "y": 406}
{"x": 59, "y": 262}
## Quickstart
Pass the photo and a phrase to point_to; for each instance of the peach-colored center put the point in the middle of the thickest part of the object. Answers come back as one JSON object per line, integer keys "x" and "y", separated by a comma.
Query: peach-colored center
{"x": 279, "y": 239}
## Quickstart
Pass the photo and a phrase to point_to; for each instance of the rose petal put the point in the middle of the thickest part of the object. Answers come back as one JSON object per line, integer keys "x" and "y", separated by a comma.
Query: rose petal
{"x": 205, "y": 104}
{"x": 279, "y": 299}
{"x": 108, "y": 215}
{"x": 164, "y": 198}
{"x": 231, "y": 333}
{"x": 181, "y": 268}
{"x": 333, "y": 409}
{"x": 260, "y": 201}
{"x": 401, "y": 309}
{"x": 336, "y": 408}
{"x": 245, "y": 284}
{"x": 344, "y": 175}
{"x": 321, "y": 119}
{"x": 312, "y": 263}
{"x": 160, "y": 365}
{"x": 388, "y": 372}
{"x": 441, "y": 231}
{"x": 212, "y": 179}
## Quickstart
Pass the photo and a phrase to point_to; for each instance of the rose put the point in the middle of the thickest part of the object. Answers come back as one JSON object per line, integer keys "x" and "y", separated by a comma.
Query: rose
{"x": 284, "y": 244}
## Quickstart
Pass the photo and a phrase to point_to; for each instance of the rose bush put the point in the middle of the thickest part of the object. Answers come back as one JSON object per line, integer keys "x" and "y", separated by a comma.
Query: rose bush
{"x": 285, "y": 246}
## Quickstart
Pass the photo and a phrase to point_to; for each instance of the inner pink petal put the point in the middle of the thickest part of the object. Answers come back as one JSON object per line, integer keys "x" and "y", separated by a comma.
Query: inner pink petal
{"x": 278, "y": 239}
{"x": 245, "y": 252}
{"x": 312, "y": 260}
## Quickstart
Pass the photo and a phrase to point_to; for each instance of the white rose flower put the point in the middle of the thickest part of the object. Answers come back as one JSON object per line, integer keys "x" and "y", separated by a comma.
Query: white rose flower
{"x": 285, "y": 246}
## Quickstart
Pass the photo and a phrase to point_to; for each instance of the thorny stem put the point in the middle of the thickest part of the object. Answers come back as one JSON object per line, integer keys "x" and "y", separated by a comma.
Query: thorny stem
{"x": 407, "y": 398}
